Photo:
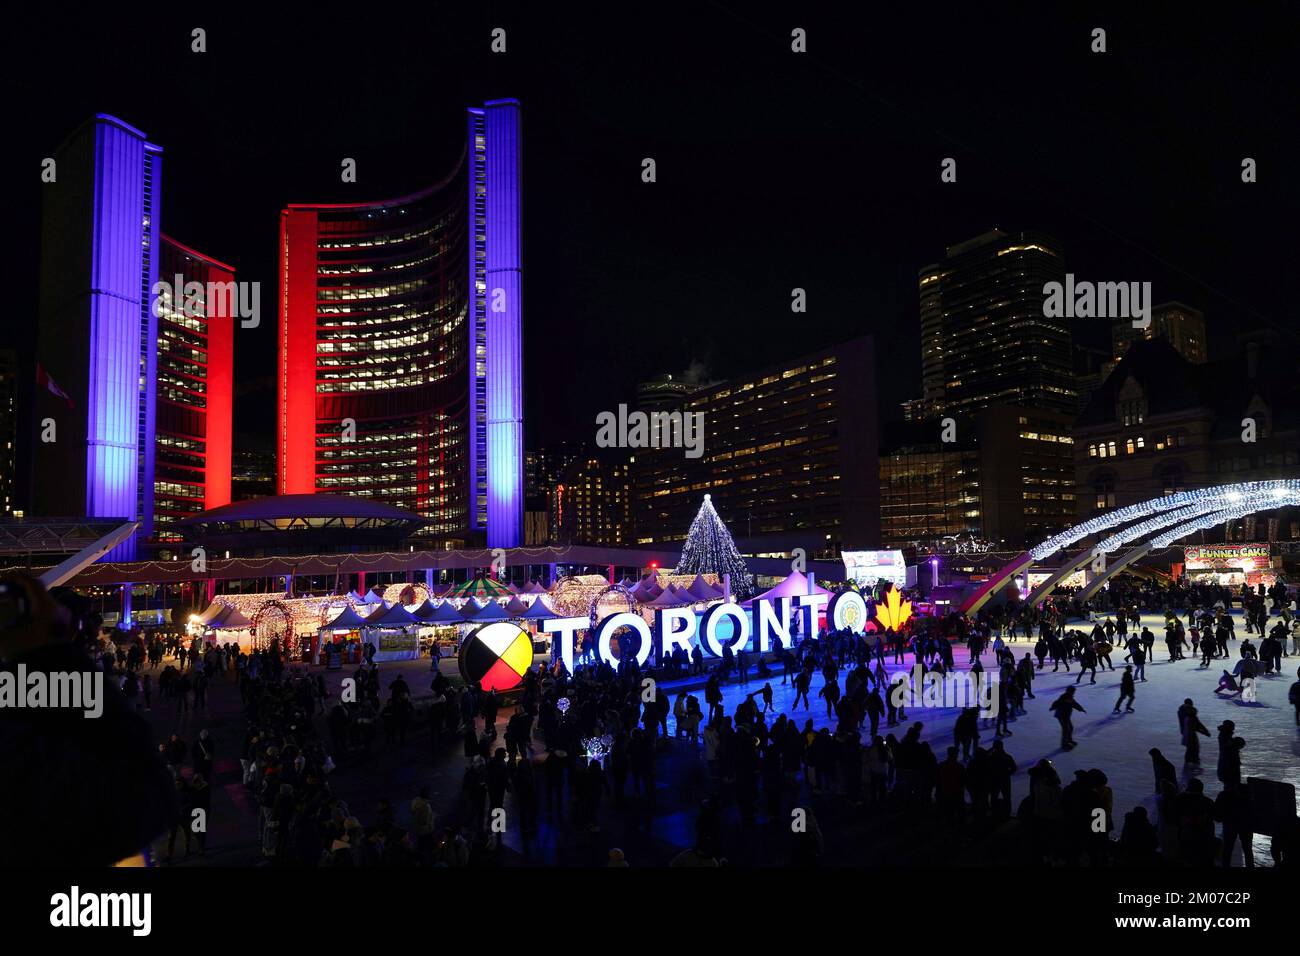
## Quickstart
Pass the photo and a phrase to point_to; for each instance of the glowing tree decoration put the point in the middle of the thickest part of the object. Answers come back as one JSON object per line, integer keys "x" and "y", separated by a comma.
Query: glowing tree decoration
{"x": 562, "y": 705}
{"x": 709, "y": 549}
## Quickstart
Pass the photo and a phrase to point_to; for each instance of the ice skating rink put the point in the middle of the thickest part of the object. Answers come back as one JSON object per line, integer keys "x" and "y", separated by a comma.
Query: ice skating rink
{"x": 1117, "y": 744}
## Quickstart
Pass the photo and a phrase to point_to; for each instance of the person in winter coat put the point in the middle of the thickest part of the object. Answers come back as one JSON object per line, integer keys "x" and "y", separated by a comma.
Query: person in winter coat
{"x": 1191, "y": 726}
{"x": 1063, "y": 709}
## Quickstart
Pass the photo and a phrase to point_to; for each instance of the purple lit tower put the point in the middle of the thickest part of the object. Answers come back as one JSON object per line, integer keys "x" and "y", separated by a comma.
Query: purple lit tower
{"x": 496, "y": 334}
{"x": 97, "y": 332}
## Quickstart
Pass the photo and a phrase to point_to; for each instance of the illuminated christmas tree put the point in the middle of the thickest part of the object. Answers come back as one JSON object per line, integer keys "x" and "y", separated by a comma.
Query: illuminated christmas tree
{"x": 709, "y": 549}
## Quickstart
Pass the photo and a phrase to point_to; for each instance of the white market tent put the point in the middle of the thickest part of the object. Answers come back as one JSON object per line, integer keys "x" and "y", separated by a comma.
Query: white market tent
{"x": 492, "y": 611}
{"x": 347, "y": 619}
{"x": 538, "y": 611}
{"x": 392, "y": 615}
{"x": 446, "y": 613}
{"x": 702, "y": 590}
{"x": 230, "y": 619}
{"x": 211, "y": 612}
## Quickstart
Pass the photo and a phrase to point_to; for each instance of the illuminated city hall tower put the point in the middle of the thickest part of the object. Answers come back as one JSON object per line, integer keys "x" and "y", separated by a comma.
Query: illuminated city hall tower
{"x": 400, "y": 374}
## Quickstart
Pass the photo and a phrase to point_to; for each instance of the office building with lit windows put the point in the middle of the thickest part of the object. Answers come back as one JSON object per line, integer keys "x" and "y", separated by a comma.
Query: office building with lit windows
{"x": 789, "y": 457}
{"x": 1162, "y": 423}
{"x": 998, "y": 378}
{"x": 1006, "y": 478}
{"x": 1182, "y": 326}
{"x": 195, "y": 386}
{"x": 591, "y": 502}
{"x": 984, "y": 338}
{"x": 400, "y": 375}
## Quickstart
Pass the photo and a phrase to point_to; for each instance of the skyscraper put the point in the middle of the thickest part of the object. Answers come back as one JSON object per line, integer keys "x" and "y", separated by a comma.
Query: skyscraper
{"x": 592, "y": 501}
{"x": 195, "y": 385}
{"x": 788, "y": 455}
{"x": 984, "y": 338}
{"x": 97, "y": 333}
{"x": 400, "y": 345}
{"x": 136, "y": 335}
{"x": 988, "y": 452}
{"x": 1180, "y": 325}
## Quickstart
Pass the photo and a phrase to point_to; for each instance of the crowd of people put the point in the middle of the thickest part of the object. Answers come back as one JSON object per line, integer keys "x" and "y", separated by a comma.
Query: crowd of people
{"x": 578, "y": 752}
{"x": 575, "y": 748}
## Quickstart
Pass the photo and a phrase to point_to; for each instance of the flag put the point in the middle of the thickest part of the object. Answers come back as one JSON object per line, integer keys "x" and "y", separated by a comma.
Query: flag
{"x": 43, "y": 379}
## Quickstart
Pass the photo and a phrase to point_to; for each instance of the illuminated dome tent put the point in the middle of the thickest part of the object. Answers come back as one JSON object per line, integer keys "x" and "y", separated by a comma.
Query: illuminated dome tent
{"x": 480, "y": 588}
{"x": 300, "y": 524}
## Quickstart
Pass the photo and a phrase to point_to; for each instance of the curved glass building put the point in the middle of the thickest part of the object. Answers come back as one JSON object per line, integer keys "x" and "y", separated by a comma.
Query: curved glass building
{"x": 400, "y": 345}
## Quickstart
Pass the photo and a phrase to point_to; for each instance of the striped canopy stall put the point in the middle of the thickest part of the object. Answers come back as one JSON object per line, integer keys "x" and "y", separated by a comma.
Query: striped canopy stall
{"x": 481, "y": 587}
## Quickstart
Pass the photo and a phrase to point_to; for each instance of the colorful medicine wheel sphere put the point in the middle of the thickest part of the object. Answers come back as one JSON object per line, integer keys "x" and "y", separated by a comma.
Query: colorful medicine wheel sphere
{"x": 496, "y": 655}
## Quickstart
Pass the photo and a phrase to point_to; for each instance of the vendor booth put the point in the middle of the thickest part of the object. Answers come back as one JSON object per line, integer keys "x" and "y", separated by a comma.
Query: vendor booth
{"x": 1230, "y": 564}
{"x": 339, "y": 641}
{"x": 392, "y": 631}
{"x": 230, "y": 626}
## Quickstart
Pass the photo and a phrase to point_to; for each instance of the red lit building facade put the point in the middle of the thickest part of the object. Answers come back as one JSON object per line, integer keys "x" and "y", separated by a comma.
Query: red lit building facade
{"x": 193, "y": 386}
{"x": 374, "y": 352}
{"x": 400, "y": 346}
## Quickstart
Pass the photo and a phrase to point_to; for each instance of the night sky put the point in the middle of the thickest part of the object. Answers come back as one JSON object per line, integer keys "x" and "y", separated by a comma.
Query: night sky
{"x": 775, "y": 170}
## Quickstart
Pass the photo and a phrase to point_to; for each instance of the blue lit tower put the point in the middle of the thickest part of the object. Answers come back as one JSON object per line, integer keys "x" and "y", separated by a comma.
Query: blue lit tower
{"x": 496, "y": 333}
{"x": 97, "y": 335}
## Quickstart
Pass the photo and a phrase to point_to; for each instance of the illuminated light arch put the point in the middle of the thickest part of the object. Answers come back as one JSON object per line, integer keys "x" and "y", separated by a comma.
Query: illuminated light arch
{"x": 1046, "y": 587}
{"x": 1228, "y": 495}
{"x": 572, "y": 594}
{"x": 1133, "y": 532}
{"x": 274, "y": 620}
{"x": 408, "y": 593}
{"x": 1022, "y": 562}
{"x": 597, "y": 612}
{"x": 1205, "y": 507}
{"x": 1095, "y": 585}
{"x": 1181, "y": 531}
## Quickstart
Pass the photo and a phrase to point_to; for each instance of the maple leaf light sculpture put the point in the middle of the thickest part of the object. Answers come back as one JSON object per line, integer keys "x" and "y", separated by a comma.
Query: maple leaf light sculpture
{"x": 894, "y": 613}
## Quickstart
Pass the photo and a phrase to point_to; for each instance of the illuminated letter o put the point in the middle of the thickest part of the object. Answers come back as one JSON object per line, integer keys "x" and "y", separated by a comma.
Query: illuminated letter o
{"x": 612, "y": 624}
{"x": 714, "y": 615}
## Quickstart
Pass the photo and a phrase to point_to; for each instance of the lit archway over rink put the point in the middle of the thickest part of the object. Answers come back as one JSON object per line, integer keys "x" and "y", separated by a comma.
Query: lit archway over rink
{"x": 1139, "y": 529}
